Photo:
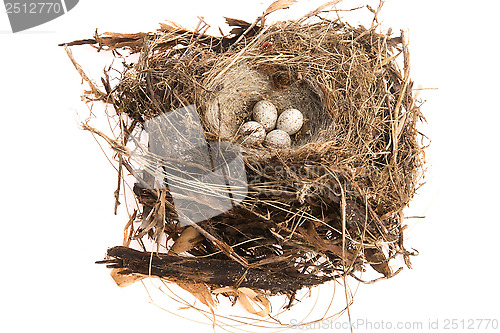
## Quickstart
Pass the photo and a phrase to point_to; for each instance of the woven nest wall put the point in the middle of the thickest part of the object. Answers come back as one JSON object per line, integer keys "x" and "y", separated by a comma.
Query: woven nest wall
{"x": 329, "y": 206}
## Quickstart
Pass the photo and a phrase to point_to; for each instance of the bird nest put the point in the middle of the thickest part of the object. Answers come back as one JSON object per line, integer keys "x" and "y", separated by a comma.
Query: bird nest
{"x": 327, "y": 207}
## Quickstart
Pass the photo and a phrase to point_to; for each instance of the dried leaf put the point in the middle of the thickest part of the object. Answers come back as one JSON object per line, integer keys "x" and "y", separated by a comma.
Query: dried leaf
{"x": 253, "y": 302}
{"x": 123, "y": 280}
{"x": 169, "y": 26}
{"x": 312, "y": 237}
{"x": 279, "y": 4}
{"x": 378, "y": 261}
{"x": 237, "y": 22}
{"x": 188, "y": 239}
{"x": 251, "y": 299}
{"x": 117, "y": 35}
{"x": 200, "y": 291}
{"x": 225, "y": 290}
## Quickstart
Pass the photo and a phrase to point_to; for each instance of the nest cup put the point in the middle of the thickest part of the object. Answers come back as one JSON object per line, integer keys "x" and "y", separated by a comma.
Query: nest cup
{"x": 241, "y": 88}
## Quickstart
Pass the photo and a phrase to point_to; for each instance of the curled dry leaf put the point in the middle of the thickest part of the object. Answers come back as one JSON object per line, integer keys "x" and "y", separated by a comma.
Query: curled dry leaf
{"x": 378, "y": 261}
{"x": 253, "y": 302}
{"x": 169, "y": 26}
{"x": 250, "y": 299}
{"x": 279, "y": 4}
{"x": 188, "y": 239}
{"x": 200, "y": 291}
{"x": 123, "y": 280}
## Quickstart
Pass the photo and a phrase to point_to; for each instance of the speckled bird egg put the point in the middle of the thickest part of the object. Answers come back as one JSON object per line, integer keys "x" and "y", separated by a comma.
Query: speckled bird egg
{"x": 252, "y": 132}
{"x": 265, "y": 113}
{"x": 290, "y": 121}
{"x": 278, "y": 139}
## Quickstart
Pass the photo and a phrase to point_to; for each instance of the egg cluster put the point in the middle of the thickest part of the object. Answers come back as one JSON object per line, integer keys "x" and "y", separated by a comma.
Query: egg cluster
{"x": 278, "y": 128}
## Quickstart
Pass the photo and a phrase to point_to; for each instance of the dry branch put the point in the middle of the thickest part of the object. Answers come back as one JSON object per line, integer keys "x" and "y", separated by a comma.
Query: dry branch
{"x": 213, "y": 272}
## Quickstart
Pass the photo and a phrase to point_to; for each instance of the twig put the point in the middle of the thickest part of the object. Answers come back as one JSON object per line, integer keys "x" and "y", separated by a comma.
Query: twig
{"x": 99, "y": 95}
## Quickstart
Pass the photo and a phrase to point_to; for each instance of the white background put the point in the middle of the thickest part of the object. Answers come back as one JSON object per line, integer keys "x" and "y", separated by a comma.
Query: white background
{"x": 57, "y": 186}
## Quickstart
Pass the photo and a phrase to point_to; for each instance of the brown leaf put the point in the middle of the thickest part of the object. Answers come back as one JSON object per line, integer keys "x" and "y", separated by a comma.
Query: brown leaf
{"x": 378, "y": 261}
{"x": 188, "y": 239}
{"x": 329, "y": 102}
{"x": 253, "y": 302}
{"x": 123, "y": 280}
{"x": 169, "y": 26}
{"x": 239, "y": 26}
{"x": 237, "y": 22}
{"x": 113, "y": 40}
{"x": 321, "y": 244}
{"x": 200, "y": 291}
{"x": 279, "y": 4}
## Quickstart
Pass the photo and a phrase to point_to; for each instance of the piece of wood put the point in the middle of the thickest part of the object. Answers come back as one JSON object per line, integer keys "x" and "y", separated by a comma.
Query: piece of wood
{"x": 213, "y": 272}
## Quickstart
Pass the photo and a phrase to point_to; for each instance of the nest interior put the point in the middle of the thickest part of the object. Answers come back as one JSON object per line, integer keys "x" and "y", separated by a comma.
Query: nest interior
{"x": 329, "y": 206}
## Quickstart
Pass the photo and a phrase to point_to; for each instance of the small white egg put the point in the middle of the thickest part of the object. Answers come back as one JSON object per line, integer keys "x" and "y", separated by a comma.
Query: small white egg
{"x": 252, "y": 132}
{"x": 265, "y": 113}
{"x": 290, "y": 121}
{"x": 278, "y": 139}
